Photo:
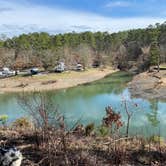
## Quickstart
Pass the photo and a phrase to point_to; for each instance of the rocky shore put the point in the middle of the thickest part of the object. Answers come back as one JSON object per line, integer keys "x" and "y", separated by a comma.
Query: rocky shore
{"x": 149, "y": 85}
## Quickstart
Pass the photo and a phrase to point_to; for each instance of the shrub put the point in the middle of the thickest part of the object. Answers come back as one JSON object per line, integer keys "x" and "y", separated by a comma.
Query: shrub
{"x": 112, "y": 119}
{"x": 22, "y": 123}
{"x": 89, "y": 128}
{"x": 3, "y": 119}
{"x": 103, "y": 131}
{"x": 156, "y": 139}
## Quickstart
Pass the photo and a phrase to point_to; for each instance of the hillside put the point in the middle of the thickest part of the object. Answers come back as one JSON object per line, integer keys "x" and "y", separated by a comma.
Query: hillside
{"x": 125, "y": 50}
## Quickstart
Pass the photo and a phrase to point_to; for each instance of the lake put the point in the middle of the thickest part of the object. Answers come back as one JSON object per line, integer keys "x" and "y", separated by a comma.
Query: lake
{"x": 87, "y": 103}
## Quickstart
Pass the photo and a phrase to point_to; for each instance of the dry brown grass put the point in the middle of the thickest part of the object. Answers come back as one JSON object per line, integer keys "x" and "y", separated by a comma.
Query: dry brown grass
{"x": 59, "y": 80}
{"x": 62, "y": 148}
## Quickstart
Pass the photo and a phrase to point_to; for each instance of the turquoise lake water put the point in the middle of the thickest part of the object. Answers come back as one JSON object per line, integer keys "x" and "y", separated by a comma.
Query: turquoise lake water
{"x": 87, "y": 103}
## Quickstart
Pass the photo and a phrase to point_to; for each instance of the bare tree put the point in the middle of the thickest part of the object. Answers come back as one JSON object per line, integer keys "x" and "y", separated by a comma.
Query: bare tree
{"x": 51, "y": 133}
{"x": 41, "y": 107}
{"x": 129, "y": 112}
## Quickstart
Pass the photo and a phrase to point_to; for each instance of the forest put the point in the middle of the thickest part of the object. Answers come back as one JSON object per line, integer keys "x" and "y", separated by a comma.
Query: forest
{"x": 136, "y": 49}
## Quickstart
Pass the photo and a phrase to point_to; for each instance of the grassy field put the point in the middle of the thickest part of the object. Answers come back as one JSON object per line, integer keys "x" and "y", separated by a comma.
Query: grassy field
{"x": 163, "y": 66}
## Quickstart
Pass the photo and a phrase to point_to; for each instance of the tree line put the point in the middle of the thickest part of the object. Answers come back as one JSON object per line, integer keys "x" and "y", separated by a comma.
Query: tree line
{"x": 139, "y": 48}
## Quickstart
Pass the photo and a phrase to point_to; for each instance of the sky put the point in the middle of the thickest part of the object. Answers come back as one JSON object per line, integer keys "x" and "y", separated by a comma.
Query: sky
{"x": 61, "y": 16}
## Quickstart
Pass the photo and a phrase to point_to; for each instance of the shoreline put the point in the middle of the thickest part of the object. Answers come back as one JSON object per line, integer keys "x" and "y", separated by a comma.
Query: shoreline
{"x": 52, "y": 81}
{"x": 149, "y": 85}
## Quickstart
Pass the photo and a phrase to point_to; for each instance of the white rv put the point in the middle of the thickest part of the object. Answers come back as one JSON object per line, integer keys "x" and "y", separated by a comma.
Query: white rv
{"x": 60, "y": 67}
{"x": 6, "y": 72}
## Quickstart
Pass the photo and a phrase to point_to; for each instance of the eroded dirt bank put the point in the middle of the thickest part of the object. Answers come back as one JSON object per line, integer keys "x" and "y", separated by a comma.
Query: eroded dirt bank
{"x": 149, "y": 85}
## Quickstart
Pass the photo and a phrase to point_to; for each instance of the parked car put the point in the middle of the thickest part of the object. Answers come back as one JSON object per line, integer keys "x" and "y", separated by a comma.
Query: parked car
{"x": 60, "y": 67}
{"x": 79, "y": 67}
{"x": 34, "y": 71}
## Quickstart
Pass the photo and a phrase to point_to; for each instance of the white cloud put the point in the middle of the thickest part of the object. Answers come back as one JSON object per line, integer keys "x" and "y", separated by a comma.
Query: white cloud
{"x": 25, "y": 18}
{"x": 113, "y": 4}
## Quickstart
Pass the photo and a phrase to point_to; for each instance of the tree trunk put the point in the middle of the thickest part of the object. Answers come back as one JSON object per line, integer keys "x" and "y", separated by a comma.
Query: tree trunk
{"x": 127, "y": 128}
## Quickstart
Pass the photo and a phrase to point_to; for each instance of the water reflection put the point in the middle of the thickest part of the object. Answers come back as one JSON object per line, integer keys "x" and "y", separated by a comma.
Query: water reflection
{"x": 153, "y": 115}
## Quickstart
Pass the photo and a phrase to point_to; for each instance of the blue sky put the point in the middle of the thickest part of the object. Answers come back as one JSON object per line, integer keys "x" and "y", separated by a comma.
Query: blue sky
{"x": 60, "y": 16}
{"x": 116, "y": 8}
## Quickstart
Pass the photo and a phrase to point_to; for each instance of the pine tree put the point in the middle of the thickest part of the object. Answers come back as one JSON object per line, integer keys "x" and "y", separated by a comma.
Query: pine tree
{"x": 155, "y": 55}
{"x": 154, "y": 50}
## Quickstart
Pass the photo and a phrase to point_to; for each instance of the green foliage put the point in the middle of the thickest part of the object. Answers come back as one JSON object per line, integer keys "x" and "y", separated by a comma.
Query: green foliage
{"x": 103, "y": 131}
{"x": 3, "y": 119}
{"x": 156, "y": 139}
{"x": 1, "y": 44}
{"x": 99, "y": 40}
{"x": 154, "y": 54}
{"x": 22, "y": 123}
